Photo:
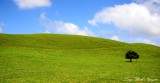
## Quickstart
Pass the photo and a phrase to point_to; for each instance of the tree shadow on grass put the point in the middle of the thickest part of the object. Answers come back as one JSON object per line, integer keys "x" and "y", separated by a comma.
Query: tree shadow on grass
{"x": 130, "y": 62}
{"x": 126, "y": 61}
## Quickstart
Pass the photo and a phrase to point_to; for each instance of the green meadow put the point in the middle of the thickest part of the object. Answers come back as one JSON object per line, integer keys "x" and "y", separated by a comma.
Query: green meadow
{"x": 57, "y": 58}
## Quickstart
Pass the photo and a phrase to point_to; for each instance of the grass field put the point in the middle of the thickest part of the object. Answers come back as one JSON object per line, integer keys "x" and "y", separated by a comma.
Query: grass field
{"x": 55, "y": 58}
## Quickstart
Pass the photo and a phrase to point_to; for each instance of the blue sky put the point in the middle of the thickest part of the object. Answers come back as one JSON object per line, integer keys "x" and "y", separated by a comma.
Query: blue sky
{"x": 122, "y": 20}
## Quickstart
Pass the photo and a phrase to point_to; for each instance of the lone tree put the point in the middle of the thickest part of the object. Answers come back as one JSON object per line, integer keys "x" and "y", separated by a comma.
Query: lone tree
{"x": 131, "y": 55}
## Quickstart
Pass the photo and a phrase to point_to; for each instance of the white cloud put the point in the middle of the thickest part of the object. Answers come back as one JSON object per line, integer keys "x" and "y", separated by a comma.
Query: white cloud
{"x": 62, "y": 27}
{"x": 1, "y": 27}
{"x": 46, "y": 31}
{"x": 30, "y": 4}
{"x": 152, "y": 5}
{"x": 143, "y": 40}
{"x": 115, "y": 38}
{"x": 134, "y": 18}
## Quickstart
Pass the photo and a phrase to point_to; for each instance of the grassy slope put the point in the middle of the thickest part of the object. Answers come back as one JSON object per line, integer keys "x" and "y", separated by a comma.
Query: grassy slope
{"x": 67, "y": 58}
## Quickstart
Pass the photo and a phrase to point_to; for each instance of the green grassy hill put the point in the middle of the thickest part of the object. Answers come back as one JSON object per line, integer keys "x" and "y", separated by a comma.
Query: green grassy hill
{"x": 55, "y": 58}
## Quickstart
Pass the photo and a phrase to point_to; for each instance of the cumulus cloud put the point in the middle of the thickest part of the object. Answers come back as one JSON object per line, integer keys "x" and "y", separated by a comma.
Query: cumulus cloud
{"x": 115, "y": 38}
{"x": 133, "y": 18}
{"x": 1, "y": 27}
{"x": 152, "y": 5}
{"x": 63, "y": 27}
{"x": 143, "y": 40}
{"x": 30, "y": 4}
{"x": 47, "y": 32}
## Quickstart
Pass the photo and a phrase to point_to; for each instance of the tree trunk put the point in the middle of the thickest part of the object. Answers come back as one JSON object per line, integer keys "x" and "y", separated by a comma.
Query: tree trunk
{"x": 130, "y": 60}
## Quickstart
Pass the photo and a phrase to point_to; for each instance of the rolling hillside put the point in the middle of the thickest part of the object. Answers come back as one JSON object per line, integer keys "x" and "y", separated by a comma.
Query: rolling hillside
{"x": 54, "y": 58}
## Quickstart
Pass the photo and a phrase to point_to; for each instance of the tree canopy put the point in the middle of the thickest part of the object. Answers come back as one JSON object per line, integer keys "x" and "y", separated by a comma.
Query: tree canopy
{"x": 131, "y": 55}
